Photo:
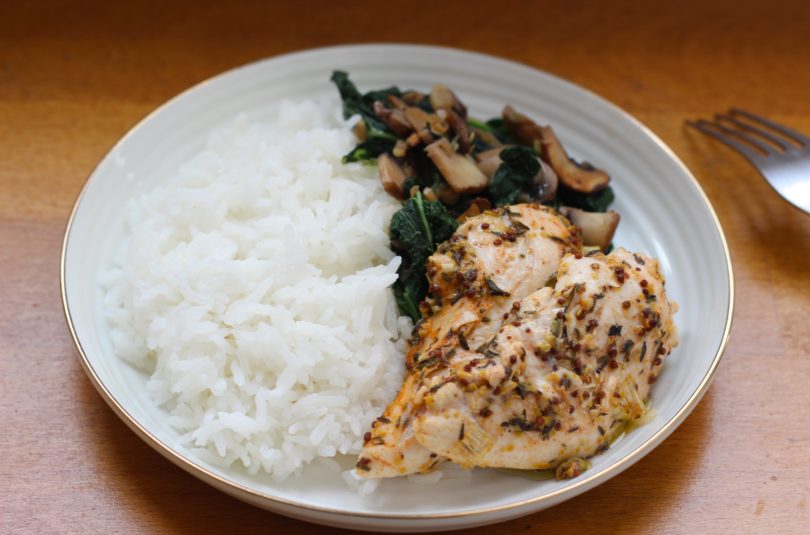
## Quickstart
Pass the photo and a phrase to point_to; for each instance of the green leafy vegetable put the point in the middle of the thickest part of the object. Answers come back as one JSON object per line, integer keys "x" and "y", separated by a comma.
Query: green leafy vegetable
{"x": 425, "y": 171}
{"x": 355, "y": 103}
{"x": 498, "y": 128}
{"x": 379, "y": 138}
{"x": 416, "y": 230}
{"x": 494, "y": 127}
{"x": 515, "y": 174}
{"x": 599, "y": 201}
{"x": 376, "y": 143}
{"x": 481, "y": 125}
{"x": 408, "y": 299}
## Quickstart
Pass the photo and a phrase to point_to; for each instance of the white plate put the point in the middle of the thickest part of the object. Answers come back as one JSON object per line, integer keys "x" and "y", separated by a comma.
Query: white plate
{"x": 664, "y": 214}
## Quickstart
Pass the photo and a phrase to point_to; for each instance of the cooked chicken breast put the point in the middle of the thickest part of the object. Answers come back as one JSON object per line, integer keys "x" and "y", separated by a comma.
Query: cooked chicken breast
{"x": 570, "y": 369}
{"x": 490, "y": 262}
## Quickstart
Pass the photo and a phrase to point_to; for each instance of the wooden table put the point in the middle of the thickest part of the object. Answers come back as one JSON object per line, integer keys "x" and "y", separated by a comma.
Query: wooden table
{"x": 75, "y": 76}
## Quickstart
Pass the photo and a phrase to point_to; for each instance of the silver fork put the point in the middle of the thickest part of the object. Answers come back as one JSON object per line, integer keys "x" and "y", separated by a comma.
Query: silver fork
{"x": 781, "y": 155}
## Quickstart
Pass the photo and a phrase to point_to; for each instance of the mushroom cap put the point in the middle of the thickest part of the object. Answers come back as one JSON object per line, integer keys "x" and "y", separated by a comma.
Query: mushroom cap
{"x": 578, "y": 177}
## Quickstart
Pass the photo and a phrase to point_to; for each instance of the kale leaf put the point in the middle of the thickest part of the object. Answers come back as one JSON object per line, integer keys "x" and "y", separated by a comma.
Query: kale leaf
{"x": 441, "y": 223}
{"x": 379, "y": 138}
{"x": 514, "y": 175}
{"x": 351, "y": 97}
{"x": 355, "y": 103}
{"x": 498, "y": 129}
{"x": 598, "y": 201}
{"x": 416, "y": 229}
{"x": 495, "y": 126}
{"x": 375, "y": 144}
{"x": 407, "y": 296}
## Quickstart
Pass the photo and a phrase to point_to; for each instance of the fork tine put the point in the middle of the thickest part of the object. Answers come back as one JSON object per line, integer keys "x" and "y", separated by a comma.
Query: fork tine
{"x": 751, "y": 140}
{"x": 799, "y": 138}
{"x": 734, "y": 134}
{"x": 779, "y": 142}
{"x": 711, "y": 129}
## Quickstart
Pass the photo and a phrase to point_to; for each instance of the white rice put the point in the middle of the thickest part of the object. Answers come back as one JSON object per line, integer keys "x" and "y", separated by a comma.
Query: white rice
{"x": 254, "y": 288}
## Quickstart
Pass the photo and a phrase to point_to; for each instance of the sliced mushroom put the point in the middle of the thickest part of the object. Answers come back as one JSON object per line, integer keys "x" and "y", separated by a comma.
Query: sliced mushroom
{"x": 425, "y": 124}
{"x": 579, "y": 177}
{"x": 478, "y": 206}
{"x": 545, "y": 181}
{"x": 487, "y": 137}
{"x": 446, "y": 194}
{"x": 584, "y": 178}
{"x": 413, "y": 140}
{"x": 437, "y": 125}
{"x": 392, "y": 175}
{"x": 413, "y": 97}
{"x": 520, "y": 127}
{"x": 429, "y": 194}
{"x": 458, "y": 170}
{"x": 442, "y": 98}
{"x": 418, "y": 120}
{"x": 491, "y": 153}
{"x": 360, "y": 131}
{"x": 489, "y": 160}
{"x": 393, "y": 118}
{"x": 400, "y": 148}
{"x": 597, "y": 227}
{"x": 471, "y": 211}
{"x": 459, "y": 126}
{"x": 397, "y": 102}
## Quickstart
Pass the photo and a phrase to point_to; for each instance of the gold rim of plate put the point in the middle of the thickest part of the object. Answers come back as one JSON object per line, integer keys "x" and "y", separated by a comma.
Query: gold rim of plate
{"x": 574, "y": 489}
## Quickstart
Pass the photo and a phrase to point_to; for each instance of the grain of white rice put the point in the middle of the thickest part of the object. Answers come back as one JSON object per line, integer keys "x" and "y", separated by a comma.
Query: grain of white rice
{"x": 254, "y": 288}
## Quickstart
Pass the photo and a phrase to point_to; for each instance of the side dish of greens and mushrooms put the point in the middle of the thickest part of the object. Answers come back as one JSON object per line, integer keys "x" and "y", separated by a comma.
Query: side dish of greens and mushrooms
{"x": 447, "y": 166}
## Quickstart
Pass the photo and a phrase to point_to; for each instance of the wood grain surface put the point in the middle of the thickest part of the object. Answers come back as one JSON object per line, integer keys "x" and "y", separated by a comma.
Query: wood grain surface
{"x": 75, "y": 76}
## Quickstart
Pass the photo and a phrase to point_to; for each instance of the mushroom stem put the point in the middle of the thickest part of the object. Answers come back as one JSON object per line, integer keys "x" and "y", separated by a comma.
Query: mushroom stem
{"x": 458, "y": 170}
{"x": 392, "y": 175}
{"x": 597, "y": 228}
{"x": 459, "y": 126}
